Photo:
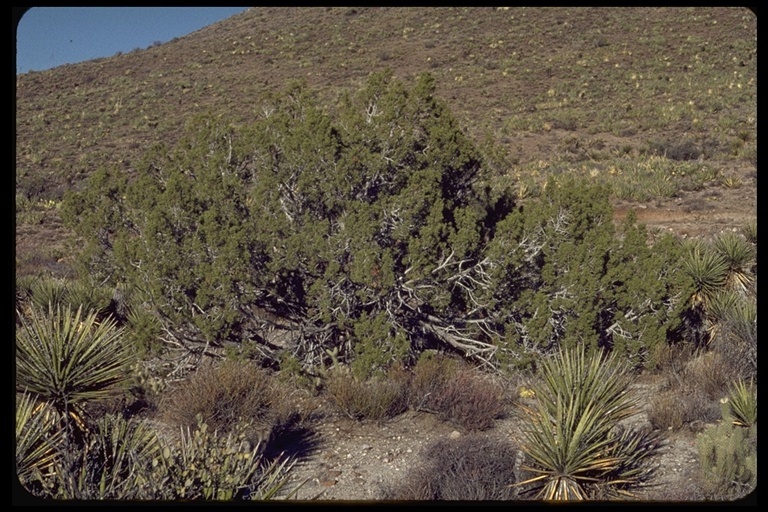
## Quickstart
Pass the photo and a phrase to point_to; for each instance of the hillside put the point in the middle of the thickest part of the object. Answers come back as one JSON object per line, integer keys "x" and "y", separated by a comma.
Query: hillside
{"x": 558, "y": 89}
{"x": 656, "y": 104}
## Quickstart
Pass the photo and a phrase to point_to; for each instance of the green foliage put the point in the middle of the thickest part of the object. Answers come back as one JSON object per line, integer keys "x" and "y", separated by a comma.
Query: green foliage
{"x": 339, "y": 224}
{"x": 143, "y": 331}
{"x": 709, "y": 271}
{"x": 728, "y": 456}
{"x": 377, "y": 232}
{"x": 571, "y": 434}
{"x": 739, "y": 255}
{"x": 564, "y": 278}
{"x": 378, "y": 346}
{"x": 48, "y": 292}
{"x": 111, "y": 464}
{"x": 69, "y": 358}
{"x": 208, "y": 465}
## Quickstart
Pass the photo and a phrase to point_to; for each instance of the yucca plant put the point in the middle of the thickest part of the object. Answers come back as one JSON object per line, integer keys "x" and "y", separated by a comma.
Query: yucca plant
{"x": 69, "y": 358}
{"x": 721, "y": 307}
{"x": 570, "y": 434}
{"x": 741, "y": 319}
{"x": 38, "y": 439}
{"x": 48, "y": 292}
{"x": 709, "y": 271}
{"x": 91, "y": 297}
{"x": 113, "y": 463}
{"x": 749, "y": 230}
{"x": 739, "y": 256}
{"x": 741, "y": 404}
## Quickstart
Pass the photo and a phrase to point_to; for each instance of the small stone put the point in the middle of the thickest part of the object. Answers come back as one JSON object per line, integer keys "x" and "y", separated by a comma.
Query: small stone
{"x": 454, "y": 435}
{"x": 408, "y": 451}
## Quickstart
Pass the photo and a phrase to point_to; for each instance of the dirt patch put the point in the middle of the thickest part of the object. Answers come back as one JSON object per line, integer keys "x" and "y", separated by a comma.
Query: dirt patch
{"x": 357, "y": 461}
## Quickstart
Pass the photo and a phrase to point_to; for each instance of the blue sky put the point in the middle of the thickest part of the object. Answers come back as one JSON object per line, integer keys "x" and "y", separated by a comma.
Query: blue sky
{"x": 47, "y": 37}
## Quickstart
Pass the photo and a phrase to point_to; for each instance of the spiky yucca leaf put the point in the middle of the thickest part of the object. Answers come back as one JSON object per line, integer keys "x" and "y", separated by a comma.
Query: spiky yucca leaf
{"x": 91, "y": 297}
{"x": 739, "y": 255}
{"x": 568, "y": 437}
{"x": 48, "y": 292}
{"x": 749, "y": 231}
{"x": 68, "y": 359}
{"x": 37, "y": 438}
{"x": 742, "y": 403}
{"x": 709, "y": 272}
{"x": 741, "y": 319}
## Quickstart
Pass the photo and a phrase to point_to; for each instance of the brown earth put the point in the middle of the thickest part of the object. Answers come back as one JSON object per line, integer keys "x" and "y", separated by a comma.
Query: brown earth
{"x": 357, "y": 461}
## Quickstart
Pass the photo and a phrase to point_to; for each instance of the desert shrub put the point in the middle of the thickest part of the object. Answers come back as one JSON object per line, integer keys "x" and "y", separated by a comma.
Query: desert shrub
{"x": 112, "y": 463}
{"x": 48, "y": 292}
{"x": 709, "y": 373}
{"x": 469, "y": 468}
{"x": 376, "y": 398}
{"x": 223, "y": 395}
{"x": 345, "y": 225}
{"x": 430, "y": 375}
{"x": 468, "y": 400}
{"x": 143, "y": 331}
{"x": 562, "y": 255}
{"x": 38, "y": 439}
{"x": 210, "y": 465}
{"x": 728, "y": 457}
{"x": 674, "y": 150}
{"x": 695, "y": 383}
{"x": 89, "y": 296}
{"x": 377, "y": 232}
{"x": 682, "y": 405}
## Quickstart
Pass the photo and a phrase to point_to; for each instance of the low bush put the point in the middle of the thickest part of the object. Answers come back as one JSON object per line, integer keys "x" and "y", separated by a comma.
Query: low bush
{"x": 211, "y": 465}
{"x": 728, "y": 456}
{"x": 376, "y": 398}
{"x": 432, "y": 373}
{"x": 679, "y": 406}
{"x": 472, "y": 467}
{"x": 469, "y": 400}
{"x": 223, "y": 395}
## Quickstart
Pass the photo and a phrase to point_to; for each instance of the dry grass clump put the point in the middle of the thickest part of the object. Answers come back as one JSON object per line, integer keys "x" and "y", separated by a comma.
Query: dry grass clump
{"x": 472, "y": 467}
{"x": 223, "y": 395}
{"x": 692, "y": 393}
{"x": 377, "y": 398}
{"x": 455, "y": 392}
{"x": 470, "y": 401}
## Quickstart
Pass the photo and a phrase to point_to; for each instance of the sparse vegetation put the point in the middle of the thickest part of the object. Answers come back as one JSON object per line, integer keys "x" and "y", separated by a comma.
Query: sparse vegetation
{"x": 280, "y": 219}
{"x": 467, "y": 469}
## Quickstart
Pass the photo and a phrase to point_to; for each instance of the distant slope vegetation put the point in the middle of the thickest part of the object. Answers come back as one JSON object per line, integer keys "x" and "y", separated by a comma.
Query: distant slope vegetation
{"x": 515, "y": 74}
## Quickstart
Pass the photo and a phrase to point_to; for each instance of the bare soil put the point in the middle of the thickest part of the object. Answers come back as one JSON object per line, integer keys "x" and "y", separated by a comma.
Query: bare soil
{"x": 357, "y": 461}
